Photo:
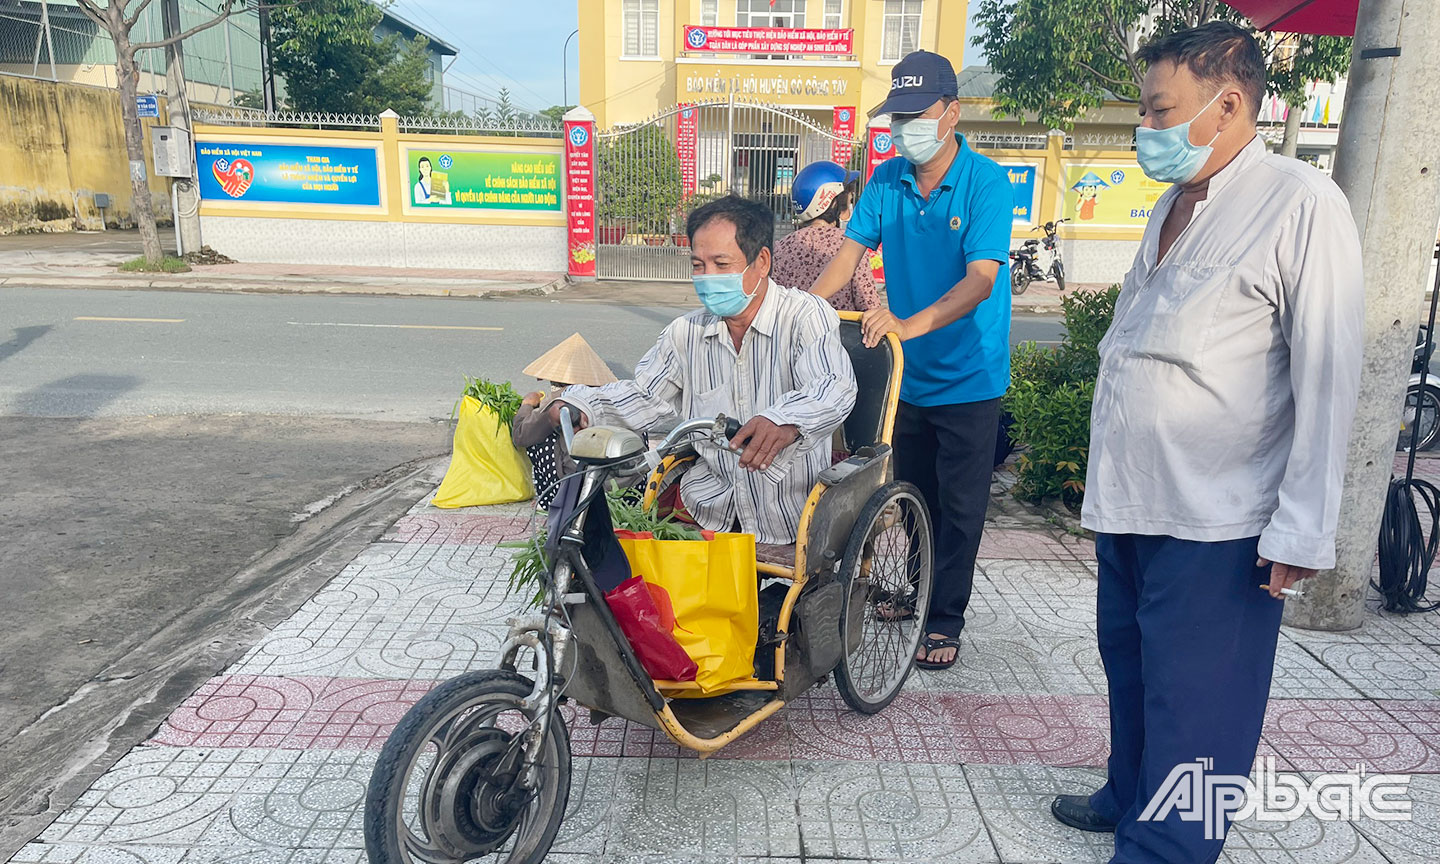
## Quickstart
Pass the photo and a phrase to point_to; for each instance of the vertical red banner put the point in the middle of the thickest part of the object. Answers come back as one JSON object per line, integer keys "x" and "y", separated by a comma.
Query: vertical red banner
{"x": 843, "y": 127}
{"x": 580, "y": 196}
{"x": 687, "y": 136}
{"x": 879, "y": 147}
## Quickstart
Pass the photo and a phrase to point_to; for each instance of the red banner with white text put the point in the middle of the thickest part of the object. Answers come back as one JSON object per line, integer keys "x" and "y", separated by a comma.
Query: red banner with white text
{"x": 843, "y": 127}
{"x": 580, "y": 196}
{"x": 769, "y": 40}
{"x": 687, "y": 135}
{"x": 879, "y": 147}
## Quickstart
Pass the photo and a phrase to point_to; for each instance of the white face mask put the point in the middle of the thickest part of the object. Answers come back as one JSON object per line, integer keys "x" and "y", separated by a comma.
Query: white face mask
{"x": 918, "y": 139}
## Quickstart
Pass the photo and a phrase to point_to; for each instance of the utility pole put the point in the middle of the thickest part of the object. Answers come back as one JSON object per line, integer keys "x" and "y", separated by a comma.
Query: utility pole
{"x": 1388, "y": 167}
{"x": 187, "y": 191}
{"x": 267, "y": 68}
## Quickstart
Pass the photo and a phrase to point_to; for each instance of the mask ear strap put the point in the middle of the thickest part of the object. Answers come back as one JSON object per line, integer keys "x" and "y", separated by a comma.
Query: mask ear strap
{"x": 1206, "y": 108}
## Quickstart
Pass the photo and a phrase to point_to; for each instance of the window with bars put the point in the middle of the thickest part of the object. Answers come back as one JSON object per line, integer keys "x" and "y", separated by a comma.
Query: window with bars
{"x": 709, "y": 13}
{"x": 901, "y": 32}
{"x": 641, "y": 28}
{"x": 834, "y": 14}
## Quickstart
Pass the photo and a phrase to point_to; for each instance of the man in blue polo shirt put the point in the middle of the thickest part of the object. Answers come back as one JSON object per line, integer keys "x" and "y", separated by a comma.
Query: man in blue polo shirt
{"x": 943, "y": 213}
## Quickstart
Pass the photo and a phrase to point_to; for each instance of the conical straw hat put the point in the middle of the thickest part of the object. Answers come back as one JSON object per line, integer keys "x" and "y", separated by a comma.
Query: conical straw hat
{"x": 572, "y": 362}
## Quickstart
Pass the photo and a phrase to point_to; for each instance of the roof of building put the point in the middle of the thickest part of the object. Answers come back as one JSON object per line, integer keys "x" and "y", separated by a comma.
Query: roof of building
{"x": 976, "y": 82}
{"x": 399, "y": 23}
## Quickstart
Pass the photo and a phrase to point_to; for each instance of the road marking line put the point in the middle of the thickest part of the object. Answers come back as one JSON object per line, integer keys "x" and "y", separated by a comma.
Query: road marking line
{"x": 132, "y": 320}
{"x": 394, "y": 326}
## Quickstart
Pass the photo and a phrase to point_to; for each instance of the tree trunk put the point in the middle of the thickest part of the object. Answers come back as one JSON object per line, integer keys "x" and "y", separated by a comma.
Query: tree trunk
{"x": 142, "y": 205}
{"x": 1291, "y": 143}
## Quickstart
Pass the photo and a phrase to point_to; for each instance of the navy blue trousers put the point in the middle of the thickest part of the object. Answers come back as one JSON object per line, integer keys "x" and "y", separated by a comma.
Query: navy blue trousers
{"x": 1188, "y": 642}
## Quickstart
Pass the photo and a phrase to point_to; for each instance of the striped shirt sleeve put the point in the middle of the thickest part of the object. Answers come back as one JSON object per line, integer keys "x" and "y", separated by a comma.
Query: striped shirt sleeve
{"x": 651, "y": 397}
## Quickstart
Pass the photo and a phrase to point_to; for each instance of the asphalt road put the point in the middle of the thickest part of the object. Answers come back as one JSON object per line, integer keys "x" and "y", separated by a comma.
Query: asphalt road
{"x": 115, "y": 353}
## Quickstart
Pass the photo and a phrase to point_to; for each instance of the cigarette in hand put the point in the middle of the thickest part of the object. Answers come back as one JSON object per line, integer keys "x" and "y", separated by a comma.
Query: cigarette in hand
{"x": 1288, "y": 592}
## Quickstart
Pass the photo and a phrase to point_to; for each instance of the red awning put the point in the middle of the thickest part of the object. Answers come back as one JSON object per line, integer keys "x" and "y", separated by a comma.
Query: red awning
{"x": 1322, "y": 17}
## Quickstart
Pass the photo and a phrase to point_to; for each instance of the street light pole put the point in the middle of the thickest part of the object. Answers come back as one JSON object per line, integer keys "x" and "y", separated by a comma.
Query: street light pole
{"x": 565, "y": 70}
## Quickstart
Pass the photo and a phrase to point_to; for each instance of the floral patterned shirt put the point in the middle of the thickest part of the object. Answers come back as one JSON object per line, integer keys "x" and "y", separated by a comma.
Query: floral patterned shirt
{"x": 801, "y": 257}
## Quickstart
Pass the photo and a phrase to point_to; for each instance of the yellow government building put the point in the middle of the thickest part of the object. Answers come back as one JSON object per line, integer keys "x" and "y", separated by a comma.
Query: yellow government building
{"x": 635, "y": 59}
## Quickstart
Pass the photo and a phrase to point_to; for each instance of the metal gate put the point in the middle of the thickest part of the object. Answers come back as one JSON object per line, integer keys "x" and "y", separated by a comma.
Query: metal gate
{"x": 650, "y": 174}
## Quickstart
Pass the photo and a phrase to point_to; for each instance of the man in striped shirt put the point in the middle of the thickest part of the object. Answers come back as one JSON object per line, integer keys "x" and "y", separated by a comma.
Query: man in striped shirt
{"x": 758, "y": 352}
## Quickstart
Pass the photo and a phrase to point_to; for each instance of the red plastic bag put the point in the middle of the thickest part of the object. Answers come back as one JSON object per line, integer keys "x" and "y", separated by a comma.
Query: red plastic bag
{"x": 647, "y": 619}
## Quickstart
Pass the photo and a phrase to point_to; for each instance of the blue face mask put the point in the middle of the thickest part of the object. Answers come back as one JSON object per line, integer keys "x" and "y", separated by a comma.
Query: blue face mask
{"x": 723, "y": 293}
{"x": 1167, "y": 156}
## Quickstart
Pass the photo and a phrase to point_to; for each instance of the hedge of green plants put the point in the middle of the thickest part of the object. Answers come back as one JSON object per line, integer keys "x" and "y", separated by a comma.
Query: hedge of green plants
{"x": 1050, "y": 395}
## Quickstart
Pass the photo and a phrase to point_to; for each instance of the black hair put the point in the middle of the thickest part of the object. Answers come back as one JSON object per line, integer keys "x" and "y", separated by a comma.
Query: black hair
{"x": 837, "y": 206}
{"x": 425, "y": 159}
{"x": 1217, "y": 52}
{"x": 753, "y": 221}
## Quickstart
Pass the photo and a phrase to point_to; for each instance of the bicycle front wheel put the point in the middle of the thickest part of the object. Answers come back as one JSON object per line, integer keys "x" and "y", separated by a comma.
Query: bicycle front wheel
{"x": 445, "y": 789}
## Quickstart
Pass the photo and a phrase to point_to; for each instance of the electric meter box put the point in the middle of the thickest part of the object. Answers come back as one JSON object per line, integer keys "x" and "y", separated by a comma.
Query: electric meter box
{"x": 170, "y": 145}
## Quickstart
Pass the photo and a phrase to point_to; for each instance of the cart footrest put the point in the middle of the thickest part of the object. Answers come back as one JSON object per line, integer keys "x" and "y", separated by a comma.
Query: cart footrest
{"x": 714, "y": 716}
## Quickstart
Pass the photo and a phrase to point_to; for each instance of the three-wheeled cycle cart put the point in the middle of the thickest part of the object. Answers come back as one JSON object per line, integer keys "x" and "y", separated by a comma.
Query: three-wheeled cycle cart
{"x": 479, "y": 769}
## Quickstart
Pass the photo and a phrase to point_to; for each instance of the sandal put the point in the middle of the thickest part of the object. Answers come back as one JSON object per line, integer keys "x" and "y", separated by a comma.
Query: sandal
{"x": 932, "y": 645}
{"x": 891, "y": 608}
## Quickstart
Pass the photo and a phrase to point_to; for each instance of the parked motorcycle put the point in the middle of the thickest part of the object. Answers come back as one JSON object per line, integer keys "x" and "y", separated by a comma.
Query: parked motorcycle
{"x": 1422, "y": 401}
{"x": 1025, "y": 264}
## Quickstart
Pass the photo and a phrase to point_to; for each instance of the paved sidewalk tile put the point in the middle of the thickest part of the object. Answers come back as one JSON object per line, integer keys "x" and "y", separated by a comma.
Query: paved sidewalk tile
{"x": 688, "y": 806}
{"x": 1029, "y": 730}
{"x": 275, "y": 803}
{"x": 890, "y": 812}
{"x": 461, "y": 528}
{"x": 1300, "y": 675}
{"x": 1023, "y": 544}
{"x": 1377, "y": 626}
{"x": 1378, "y": 671}
{"x": 911, "y": 729}
{"x": 1416, "y": 840}
{"x": 291, "y": 713}
{"x": 1337, "y": 735}
{"x": 1015, "y": 804}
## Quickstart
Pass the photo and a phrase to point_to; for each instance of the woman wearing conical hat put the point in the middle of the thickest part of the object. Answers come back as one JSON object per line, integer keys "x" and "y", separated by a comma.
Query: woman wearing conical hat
{"x": 571, "y": 362}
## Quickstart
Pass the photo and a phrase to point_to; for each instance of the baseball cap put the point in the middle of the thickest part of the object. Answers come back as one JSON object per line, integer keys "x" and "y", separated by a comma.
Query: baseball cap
{"x": 918, "y": 81}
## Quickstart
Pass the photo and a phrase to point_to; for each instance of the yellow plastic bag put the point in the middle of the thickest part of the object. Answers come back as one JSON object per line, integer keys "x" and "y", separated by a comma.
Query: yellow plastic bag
{"x": 485, "y": 466}
{"x": 713, "y": 588}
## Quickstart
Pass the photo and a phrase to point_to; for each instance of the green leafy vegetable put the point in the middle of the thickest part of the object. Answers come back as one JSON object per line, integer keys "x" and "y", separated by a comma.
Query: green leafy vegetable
{"x": 530, "y": 569}
{"x": 500, "y": 398}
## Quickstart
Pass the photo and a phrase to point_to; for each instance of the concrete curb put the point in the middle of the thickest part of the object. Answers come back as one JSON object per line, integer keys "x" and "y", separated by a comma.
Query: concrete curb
{"x": 478, "y": 290}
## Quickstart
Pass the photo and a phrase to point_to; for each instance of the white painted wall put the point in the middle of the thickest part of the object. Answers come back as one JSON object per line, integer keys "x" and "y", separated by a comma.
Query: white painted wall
{"x": 1100, "y": 261}
{"x": 388, "y": 244}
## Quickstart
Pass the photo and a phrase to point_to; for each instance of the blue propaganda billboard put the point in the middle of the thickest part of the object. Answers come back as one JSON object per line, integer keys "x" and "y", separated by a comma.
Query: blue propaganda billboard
{"x": 288, "y": 173}
{"x": 1022, "y": 185}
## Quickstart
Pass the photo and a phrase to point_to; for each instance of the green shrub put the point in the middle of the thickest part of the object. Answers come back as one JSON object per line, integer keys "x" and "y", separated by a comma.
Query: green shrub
{"x": 639, "y": 181}
{"x": 1050, "y": 396}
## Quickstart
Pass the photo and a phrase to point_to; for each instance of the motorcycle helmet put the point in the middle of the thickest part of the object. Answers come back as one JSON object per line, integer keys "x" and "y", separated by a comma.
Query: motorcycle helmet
{"x": 815, "y": 187}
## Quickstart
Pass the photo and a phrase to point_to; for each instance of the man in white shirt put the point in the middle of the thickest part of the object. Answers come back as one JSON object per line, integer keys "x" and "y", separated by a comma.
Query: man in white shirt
{"x": 757, "y": 352}
{"x": 1226, "y": 393}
